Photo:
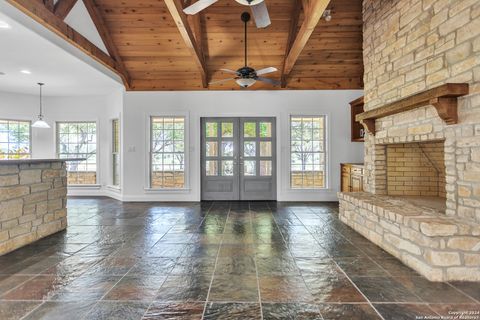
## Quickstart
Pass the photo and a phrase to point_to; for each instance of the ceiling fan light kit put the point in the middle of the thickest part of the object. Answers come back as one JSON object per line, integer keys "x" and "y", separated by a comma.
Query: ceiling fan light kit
{"x": 249, "y": 2}
{"x": 246, "y": 82}
{"x": 247, "y": 76}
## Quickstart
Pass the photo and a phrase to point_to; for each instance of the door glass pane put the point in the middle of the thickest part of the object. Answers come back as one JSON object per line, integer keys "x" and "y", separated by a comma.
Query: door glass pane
{"x": 211, "y": 168}
{"x": 265, "y": 148}
{"x": 211, "y": 148}
{"x": 249, "y": 130}
{"x": 249, "y": 148}
{"x": 227, "y": 148}
{"x": 249, "y": 168}
{"x": 265, "y": 129}
{"x": 211, "y": 129}
{"x": 266, "y": 168}
{"x": 227, "y": 129}
{"x": 227, "y": 168}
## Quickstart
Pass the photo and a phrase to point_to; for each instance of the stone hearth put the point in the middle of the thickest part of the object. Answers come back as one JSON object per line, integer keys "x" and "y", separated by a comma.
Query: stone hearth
{"x": 439, "y": 247}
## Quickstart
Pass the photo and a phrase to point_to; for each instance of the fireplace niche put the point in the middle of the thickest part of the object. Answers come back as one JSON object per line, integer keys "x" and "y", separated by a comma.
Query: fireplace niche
{"x": 416, "y": 172}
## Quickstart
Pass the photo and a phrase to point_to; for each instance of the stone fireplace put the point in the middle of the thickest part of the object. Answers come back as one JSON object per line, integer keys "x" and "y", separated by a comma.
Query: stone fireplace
{"x": 422, "y": 172}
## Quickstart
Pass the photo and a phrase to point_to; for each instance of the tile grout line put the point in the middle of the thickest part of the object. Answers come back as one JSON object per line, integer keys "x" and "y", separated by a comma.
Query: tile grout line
{"x": 348, "y": 277}
{"x": 256, "y": 268}
{"x": 345, "y": 274}
{"x": 108, "y": 291}
{"x": 463, "y": 292}
{"x": 46, "y": 275}
{"x": 33, "y": 310}
{"x": 361, "y": 292}
{"x": 153, "y": 300}
{"x": 216, "y": 261}
{"x": 294, "y": 259}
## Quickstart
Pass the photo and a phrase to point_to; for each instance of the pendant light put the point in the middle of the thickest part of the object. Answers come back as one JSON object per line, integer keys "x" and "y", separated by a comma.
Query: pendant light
{"x": 40, "y": 123}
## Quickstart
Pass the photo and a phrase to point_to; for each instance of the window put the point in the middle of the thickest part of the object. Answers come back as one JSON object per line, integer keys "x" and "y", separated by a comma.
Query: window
{"x": 115, "y": 152}
{"x": 307, "y": 163}
{"x": 78, "y": 140}
{"x": 167, "y": 145}
{"x": 15, "y": 137}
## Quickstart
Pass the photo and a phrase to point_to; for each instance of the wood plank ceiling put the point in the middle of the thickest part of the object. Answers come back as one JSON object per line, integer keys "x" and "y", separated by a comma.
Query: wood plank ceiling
{"x": 150, "y": 43}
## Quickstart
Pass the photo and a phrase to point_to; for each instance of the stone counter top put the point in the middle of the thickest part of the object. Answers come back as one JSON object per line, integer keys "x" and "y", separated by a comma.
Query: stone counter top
{"x": 29, "y": 161}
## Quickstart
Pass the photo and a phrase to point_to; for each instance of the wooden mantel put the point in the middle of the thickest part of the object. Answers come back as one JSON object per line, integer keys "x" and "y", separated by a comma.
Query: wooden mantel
{"x": 443, "y": 98}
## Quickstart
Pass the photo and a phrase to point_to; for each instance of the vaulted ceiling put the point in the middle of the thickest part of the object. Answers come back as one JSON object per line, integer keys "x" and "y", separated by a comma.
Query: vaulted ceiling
{"x": 152, "y": 45}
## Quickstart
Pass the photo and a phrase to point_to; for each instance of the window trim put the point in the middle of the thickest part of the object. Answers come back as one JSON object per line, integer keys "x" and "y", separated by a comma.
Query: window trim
{"x": 148, "y": 167}
{"x": 326, "y": 122}
{"x": 30, "y": 136}
{"x": 112, "y": 184}
{"x": 98, "y": 152}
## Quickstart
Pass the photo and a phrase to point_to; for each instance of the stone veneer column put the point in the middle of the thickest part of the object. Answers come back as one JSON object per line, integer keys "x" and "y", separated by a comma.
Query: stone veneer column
{"x": 33, "y": 200}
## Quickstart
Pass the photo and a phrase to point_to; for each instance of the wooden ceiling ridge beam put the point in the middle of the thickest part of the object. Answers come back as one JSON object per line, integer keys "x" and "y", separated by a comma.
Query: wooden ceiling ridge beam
{"x": 49, "y": 4}
{"x": 292, "y": 33}
{"x": 176, "y": 10}
{"x": 37, "y": 11}
{"x": 98, "y": 19}
{"x": 313, "y": 11}
{"x": 63, "y": 7}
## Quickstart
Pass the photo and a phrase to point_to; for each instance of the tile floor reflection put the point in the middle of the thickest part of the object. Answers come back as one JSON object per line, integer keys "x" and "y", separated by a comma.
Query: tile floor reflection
{"x": 215, "y": 260}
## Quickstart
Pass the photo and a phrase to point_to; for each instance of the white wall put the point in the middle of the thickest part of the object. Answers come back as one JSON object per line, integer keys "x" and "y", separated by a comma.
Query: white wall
{"x": 134, "y": 109}
{"x": 100, "y": 109}
{"x": 138, "y": 106}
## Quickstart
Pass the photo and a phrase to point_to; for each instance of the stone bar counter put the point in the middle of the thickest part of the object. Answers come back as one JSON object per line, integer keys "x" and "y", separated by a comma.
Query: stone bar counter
{"x": 33, "y": 196}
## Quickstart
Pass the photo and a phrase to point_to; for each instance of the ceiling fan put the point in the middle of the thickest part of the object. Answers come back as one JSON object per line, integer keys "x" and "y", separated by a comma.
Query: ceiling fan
{"x": 258, "y": 7}
{"x": 247, "y": 76}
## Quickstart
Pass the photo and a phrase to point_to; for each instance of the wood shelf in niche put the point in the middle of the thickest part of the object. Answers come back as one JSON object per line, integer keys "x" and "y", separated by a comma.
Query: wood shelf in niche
{"x": 443, "y": 98}
{"x": 357, "y": 130}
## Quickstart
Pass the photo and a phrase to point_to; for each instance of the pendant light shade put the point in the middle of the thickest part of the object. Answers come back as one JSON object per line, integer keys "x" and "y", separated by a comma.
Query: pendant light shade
{"x": 40, "y": 123}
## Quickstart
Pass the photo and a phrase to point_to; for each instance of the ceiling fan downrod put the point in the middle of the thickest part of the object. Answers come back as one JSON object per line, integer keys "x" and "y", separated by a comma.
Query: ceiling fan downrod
{"x": 245, "y": 19}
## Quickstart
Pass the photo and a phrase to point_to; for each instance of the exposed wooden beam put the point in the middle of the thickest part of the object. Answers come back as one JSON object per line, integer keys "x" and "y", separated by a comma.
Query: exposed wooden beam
{"x": 176, "y": 10}
{"x": 313, "y": 11}
{"x": 297, "y": 9}
{"x": 49, "y": 4}
{"x": 37, "y": 11}
{"x": 63, "y": 8}
{"x": 102, "y": 28}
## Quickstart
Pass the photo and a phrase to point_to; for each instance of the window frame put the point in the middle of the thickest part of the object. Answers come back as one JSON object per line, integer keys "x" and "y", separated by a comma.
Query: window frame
{"x": 57, "y": 144}
{"x": 117, "y": 153}
{"x": 149, "y": 154}
{"x": 29, "y": 137}
{"x": 326, "y": 152}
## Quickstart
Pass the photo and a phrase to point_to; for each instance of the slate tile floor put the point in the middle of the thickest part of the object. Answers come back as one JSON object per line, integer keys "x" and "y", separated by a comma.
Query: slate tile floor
{"x": 258, "y": 260}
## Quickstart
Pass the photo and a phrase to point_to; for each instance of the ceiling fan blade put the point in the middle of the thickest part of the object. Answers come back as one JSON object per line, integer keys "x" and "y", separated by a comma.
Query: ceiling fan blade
{"x": 260, "y": 14}
{"x": 221, "y": 81}
{"x": 229, "y": 71}
{"x": 268, "y": 80}
{"x": 198, "y": 6}
{"x": 266, "y": 70}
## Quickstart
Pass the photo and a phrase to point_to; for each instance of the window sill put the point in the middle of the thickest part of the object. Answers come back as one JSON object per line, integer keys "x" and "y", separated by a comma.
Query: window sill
{"x": 113, "y": 188}
{"x": 84, "y": 186}
{"x": 173, "y": 190}
{"x": 311, "y": 190}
